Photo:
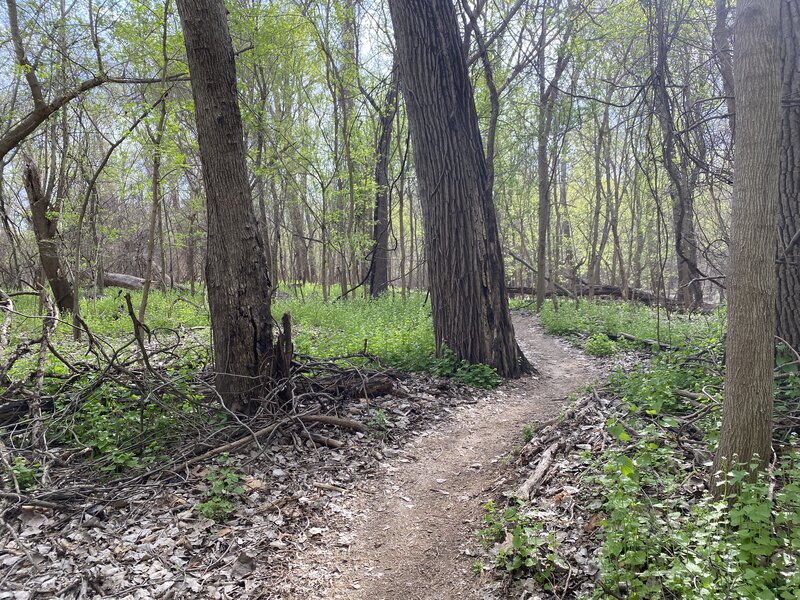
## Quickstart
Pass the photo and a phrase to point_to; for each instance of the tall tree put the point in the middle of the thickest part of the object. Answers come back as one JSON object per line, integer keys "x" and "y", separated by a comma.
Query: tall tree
{"x": 788, "y": 257}
{"x": 464, "y": 258}
{"x": 675, "y": 157}
{"x": 236, "y": 263}
{"x": 747, "y": 409}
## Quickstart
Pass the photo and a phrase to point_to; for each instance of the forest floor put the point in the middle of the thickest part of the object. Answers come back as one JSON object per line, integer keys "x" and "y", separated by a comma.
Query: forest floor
{"x": 412, "y": 526}
{"x": 388, "y": 511}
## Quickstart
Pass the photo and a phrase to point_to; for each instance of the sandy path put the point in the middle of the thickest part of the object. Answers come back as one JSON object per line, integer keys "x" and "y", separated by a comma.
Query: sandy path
{"x": 411, "y": 525}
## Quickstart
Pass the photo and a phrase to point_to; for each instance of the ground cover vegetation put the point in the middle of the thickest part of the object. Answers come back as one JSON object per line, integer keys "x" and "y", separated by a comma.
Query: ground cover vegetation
{"x": 651, "y": 526}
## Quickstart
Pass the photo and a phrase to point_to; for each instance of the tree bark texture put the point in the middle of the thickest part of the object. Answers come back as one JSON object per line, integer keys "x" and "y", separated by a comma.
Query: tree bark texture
{"x": 236, "y": 265}
{"x": 45, "y": 228}
{"x": 465, "y": 263}
{"x": 747, "y": 408}
{"x": 788, "y": 255}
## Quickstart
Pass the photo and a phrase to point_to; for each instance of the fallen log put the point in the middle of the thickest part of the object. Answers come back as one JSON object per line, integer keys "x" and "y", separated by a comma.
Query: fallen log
{"x": 643, "y": 341}
{"x": 611, "y": 291}
{"x": 121, "y": 280}
{"x": 353, "y": 385}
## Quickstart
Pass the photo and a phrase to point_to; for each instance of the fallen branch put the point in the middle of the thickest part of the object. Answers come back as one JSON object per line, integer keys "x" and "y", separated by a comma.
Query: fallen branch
{"x": 335, "y": 422}
{"x": 644, "y": 341}
{"x": 534, "y": 481}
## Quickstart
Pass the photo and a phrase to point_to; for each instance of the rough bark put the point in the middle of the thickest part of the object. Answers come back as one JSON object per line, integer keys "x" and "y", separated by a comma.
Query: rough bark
{"x": 45, "y": 228}
{"x": 747, "y": 408}
{"x": 788, "y": 256}
{"x": 465, "y": 263}
{"x": 236, "y": 265}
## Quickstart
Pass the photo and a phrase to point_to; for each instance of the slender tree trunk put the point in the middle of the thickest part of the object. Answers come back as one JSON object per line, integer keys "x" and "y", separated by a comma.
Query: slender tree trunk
{"x": 45, "y": 228}
{"x": 379, "y": 275}
{"x": 724, "y": 56}
{"x": 788, "y": 259}
{"x": 465, "y": 263}
{"x": 747, "y": 409}
{"x": 236, "y": 263}
{"x": 155, "y": 184}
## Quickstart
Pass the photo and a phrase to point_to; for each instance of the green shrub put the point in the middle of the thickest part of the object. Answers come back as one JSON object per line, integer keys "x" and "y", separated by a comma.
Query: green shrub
{"x": 475, "y": 375}
{"x": 26, "y": 474}
{"x": 526, "y": 550}
{"x": 600, "y": 345}
{"x": 224, "y": 488}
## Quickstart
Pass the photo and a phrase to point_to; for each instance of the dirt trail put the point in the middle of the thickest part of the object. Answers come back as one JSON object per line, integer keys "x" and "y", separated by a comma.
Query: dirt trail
{"x": 411, "y": 525}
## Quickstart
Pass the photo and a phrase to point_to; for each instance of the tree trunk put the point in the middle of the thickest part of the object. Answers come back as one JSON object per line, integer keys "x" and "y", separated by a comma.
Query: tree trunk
{"x": 747, "y": 410}
{"x": 690, "y": 291}
{"x": 788, "y": 306}
{"x": 379, "y": 275}
{"x": 465, "y": 263}
{"x": 236, "y": 264}
{"x": 724, "y": 56}
{"x": 45, "y": 229}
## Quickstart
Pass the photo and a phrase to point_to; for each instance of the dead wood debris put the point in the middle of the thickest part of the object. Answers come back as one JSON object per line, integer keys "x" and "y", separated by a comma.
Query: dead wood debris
{"x": 87, "y": 535}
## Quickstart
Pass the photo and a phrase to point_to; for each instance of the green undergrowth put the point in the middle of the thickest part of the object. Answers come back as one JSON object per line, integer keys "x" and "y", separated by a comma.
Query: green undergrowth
{"x": 128, "y": 425}
{"x": 613, "y": 318}
{"x": 397, "y": 332}
{"x": 662, "y": 534}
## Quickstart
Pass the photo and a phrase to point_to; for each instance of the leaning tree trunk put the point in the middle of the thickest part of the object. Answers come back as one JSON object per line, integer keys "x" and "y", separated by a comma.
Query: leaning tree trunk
{"x": 746, "y": 433}
{"x": 788, "y": 256}
{"x": 465, "y": 262}
{"x": 45, "y": 228}
{"x": 236, "y": 264}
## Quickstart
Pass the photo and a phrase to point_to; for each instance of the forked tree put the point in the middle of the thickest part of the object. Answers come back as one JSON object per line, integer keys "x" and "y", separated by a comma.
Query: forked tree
{"x": 236, "y": 264}
{"x": 464, "y": 258}
{"x": 747, "y": 409}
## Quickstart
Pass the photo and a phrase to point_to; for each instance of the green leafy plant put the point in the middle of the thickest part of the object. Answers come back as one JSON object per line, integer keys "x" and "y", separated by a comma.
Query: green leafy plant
{"x": 26, "y": 474}
{"x": 475, "y": 375}
{"x": 524, "y": 548}
{"x": 528, "y": 432}
{"x": 379, "y": 421}
{"x": 224, "y": 488}
{"x": 599, "y": 344}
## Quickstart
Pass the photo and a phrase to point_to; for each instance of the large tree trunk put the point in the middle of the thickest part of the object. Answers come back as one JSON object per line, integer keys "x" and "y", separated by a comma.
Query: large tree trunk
{"x": 45, "y": 229}
{"x": 465, "y": 263}
{"x": 236, "y": 265}
{"x": 788, "y": 306}
{"x": 747, "y": 409}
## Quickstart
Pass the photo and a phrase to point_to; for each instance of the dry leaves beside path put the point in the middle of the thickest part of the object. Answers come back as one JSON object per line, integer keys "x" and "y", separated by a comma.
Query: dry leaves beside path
{"x": 411, "y": 525}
